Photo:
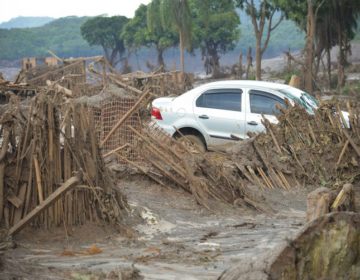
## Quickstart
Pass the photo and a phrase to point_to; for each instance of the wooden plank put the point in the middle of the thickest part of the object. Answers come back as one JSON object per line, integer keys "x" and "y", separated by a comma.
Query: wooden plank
{"x": 68, "y": 185}
{"x": 19, "y": 211}
{"x": 14, "y": 200}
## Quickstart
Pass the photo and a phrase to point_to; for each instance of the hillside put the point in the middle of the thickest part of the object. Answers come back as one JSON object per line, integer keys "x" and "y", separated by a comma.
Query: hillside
{"x": 25, "y": 22}
{"x": 61, "y": 36}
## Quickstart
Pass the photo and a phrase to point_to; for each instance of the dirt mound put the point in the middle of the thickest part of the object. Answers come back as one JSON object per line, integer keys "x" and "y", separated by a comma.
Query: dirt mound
{"x": 327, "y": 248}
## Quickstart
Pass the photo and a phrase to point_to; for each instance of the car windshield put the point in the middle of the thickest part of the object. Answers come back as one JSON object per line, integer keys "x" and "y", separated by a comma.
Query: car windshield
{"x": 302, "y": 98}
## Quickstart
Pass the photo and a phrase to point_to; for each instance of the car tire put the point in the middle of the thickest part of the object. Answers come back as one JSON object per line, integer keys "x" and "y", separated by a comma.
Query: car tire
{"x": 193, "y": 143}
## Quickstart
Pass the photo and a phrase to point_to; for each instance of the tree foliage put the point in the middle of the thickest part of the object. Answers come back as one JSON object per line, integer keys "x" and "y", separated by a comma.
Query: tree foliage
{"x": 135, "y": 33}
{"x": 162, "y": 37}
{"x": 216, "y": 29}
{"x": 176, "y": 14}
{"x": 106, "y": 32}
{"x": 145, "y": 30}
{"x": 335, "y": 23}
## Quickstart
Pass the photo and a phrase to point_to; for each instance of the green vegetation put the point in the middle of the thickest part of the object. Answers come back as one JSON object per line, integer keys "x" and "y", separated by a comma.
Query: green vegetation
{"x": 61, "y": 36}
{"x": 176, "y": 14}
{"x": 106, "y": 32}
{"x": 26, "y": 22}
{"x": 216, "y": 29}
{"x": 208, "y": 29}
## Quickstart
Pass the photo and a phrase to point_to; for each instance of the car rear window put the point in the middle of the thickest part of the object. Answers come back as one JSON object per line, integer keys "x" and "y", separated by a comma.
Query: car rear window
{"x": 222, "y": 99}
{"x": 264, "y": 103}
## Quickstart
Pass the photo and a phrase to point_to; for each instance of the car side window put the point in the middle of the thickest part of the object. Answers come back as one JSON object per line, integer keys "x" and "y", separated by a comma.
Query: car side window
{"x": 222, "y": 99}
{"x": 264, "y": 103}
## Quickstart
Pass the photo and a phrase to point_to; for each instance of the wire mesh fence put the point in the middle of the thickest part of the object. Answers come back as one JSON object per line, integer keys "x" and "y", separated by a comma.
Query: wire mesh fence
{"x": 107, "y": 114}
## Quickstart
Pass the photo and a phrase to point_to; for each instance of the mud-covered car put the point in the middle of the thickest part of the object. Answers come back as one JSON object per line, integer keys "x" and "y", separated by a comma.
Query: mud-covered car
{"x": 221, "y": 112}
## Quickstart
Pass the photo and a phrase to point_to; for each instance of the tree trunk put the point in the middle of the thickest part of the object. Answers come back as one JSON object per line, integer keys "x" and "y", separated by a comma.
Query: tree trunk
{"x": 341, "y": 58}
{"x": 215, "y": 65}
{"x": 329, "y": 66}
{"x": 182, "y": 64}
{"x": 248, "y": 63}
{"x": 309, "y": 48}
{"x": 160, "y": 57}
{"x": 258, "y": 57}
{"x": 240, "y": 74}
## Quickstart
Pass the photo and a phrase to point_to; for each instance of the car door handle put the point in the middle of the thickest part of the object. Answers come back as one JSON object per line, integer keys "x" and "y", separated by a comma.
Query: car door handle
{"x": 203, "y": 117}
{"x": 253, "y": 123}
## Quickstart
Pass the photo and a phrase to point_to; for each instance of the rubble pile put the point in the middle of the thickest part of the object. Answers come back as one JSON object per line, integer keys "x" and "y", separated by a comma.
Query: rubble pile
{"x": 160, "y": 83}
{"x": 302, "y": 149}
{"x": 208, "y": 177}
{"x": 320, "y": 149}
{"x": 51, "y": 169}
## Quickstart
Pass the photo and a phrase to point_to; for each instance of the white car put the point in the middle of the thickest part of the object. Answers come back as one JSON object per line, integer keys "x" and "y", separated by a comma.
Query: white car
{"x": 221, "y": 112}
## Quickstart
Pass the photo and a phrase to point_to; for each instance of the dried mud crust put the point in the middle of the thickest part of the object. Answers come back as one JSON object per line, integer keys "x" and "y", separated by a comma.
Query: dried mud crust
{"x": 178, "y": 239}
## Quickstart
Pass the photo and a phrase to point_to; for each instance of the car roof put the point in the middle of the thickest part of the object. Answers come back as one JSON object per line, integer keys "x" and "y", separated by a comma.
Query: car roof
{"x": 247, "y": 83}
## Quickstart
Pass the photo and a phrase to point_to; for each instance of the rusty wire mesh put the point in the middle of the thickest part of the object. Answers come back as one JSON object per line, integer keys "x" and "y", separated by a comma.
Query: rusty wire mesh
{"x": 107, "y": 115}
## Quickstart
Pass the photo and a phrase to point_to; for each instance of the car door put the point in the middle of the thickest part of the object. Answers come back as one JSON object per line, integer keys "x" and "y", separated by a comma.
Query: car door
{"x": 261, "y": 102}
{"x": 220, "y": 113}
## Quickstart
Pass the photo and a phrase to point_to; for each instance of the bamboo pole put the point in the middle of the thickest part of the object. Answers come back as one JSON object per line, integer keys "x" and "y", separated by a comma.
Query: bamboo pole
{"x": 116, "y": 150}
{"x": 352, "y": 143}
{"x": 38, "y": 179}
{"x": 342, "y": 152}
{"x": 2, "y": 174}
{"x": 161, "y": 154}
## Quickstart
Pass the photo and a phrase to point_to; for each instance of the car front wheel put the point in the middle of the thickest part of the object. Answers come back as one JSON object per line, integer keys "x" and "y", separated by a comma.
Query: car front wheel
{"x": 193, "y": 143}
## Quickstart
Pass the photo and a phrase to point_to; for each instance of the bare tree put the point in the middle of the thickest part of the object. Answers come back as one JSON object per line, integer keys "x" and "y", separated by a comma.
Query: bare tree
{"x": 262, "y": 18}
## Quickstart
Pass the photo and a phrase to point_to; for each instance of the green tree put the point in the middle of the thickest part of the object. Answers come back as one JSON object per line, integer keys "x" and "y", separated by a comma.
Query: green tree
{"x": 177, "y": 14}
{"x": 162, "y": 37}
{"x": 135, "y": 33}
{"x": 216, "y": 29}
{"x": 327, "y": 23}
{"x": 345, "y": 13}
{"x": 105, "y": 32}
{"x": 262, "y": 17}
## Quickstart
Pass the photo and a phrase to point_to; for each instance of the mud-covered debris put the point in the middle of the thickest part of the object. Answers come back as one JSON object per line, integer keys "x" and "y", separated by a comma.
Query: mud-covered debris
{"x": 326, "y": 248}
{"x": 41, "y": 150}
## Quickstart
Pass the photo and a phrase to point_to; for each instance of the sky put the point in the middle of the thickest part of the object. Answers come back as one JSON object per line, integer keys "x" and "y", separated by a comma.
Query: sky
{"x": 62, "y": 8}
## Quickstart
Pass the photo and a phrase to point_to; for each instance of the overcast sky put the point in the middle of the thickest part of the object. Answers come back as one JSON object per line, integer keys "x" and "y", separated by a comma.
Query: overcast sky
{"x": 61, "y": 8}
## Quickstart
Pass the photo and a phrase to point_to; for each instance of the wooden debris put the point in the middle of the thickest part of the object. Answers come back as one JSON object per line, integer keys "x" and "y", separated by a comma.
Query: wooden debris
{"x": 44, "y": 157}
{"x": 71, "y": 182}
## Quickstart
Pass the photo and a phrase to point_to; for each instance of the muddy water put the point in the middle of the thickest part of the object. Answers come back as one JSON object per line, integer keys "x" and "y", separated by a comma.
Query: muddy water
{"x": 179, "y": 239}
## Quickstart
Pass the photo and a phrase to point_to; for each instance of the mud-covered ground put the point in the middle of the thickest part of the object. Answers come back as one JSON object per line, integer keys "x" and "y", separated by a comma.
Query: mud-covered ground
{"x": 178, "y": 240}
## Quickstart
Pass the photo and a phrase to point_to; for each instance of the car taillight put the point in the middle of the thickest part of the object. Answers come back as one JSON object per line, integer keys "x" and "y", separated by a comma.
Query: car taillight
{"x": 155, "y": 112}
